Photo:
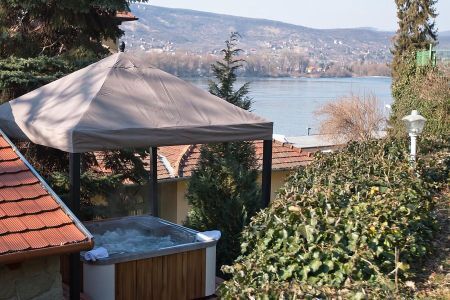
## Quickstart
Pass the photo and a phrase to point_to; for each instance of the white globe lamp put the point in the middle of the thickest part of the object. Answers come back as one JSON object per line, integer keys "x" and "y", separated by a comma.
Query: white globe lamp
{"x": 414, "y": 124}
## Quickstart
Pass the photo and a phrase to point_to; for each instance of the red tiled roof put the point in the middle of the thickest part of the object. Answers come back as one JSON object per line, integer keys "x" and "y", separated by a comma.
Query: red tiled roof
{"x": 126, "y": 16}
{"x": 180, "y": 161}
{"x": 174, "y": 155}
{"x": 32, "y": 220}
{"x": 284, "y": 157}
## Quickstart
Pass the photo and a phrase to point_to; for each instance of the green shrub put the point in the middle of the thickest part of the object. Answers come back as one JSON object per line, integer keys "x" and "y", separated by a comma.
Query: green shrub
{"x": 425, "y": 89}
{"x": 345, "y": 225}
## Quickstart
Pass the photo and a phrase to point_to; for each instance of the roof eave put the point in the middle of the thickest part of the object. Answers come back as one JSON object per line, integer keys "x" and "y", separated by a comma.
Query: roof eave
{"x": 19, "y": 256}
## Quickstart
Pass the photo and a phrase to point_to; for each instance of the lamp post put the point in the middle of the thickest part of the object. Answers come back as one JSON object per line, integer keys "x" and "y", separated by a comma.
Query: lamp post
{"x": 414, "y": 123}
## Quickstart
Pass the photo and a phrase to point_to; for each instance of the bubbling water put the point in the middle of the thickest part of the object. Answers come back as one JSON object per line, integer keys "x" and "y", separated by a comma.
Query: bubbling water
{"x": 133, "y": 241}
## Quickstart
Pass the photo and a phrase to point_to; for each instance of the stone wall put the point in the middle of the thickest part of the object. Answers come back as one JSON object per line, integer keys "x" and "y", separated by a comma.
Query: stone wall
{"x": 37, "y": 279}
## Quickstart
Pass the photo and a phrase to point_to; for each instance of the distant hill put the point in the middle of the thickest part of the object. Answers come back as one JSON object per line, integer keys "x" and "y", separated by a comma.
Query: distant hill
{"x": 168, "y": 28}
{"x": 272, "y": 48}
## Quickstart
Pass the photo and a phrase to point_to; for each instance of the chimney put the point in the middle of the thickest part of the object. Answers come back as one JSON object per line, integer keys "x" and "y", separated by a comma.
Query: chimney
{"x": 122, "y": 47}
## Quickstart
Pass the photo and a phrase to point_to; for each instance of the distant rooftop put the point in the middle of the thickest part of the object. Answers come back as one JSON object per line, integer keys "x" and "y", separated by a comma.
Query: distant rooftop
{"x": 285, "y": 156}
{"x": 321, "y": 141}
{"x": 125, "y": 16}
{"x": 177, "y": 162}
{"x": 312, "y": 141}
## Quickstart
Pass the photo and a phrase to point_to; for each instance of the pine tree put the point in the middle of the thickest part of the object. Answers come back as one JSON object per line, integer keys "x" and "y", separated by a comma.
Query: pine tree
{"x": 416, "y": 29}
{"x": 30, "y": 28}
{"x": 423, "y": 88}
{"x": 223, "y": 191}
{"x": 41, "y": 41}
{"x": 225, "y": 72}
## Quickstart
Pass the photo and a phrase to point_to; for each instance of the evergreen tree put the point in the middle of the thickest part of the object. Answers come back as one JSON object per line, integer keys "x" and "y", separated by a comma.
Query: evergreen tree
{"x": 225, "y": 72}
{"x": 223, "y": 191}
{"x": 41, "y": 41}
{"x": 30, "y": 28}
{"x": 416, "y": 29}
{"x": 423, "y": 88}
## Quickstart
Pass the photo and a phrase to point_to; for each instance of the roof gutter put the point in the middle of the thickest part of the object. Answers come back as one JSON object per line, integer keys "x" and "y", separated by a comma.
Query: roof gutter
{"x": 15, "y": 257}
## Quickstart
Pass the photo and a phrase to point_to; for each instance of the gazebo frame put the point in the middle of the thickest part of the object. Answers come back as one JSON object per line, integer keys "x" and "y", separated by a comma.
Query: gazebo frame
{"x": 74, "y": 199}
{"x": 178, "y": 113}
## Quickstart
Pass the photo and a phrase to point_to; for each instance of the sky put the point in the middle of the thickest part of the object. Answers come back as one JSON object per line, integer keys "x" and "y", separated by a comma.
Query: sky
{"x": 379, "y": 14}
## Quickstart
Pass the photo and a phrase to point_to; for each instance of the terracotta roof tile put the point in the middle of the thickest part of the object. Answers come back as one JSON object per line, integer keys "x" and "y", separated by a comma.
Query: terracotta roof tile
{"x": 32, "y": 191}
{"x": 15, "y": 242}
{"x": 10, "y": 194}
{"x": 54, "y": 218}
{"x": 32, "y": 222}
{"x": 12, "y": 209}
{"x": 12, "y": 166}
{"x": 30, "y": 217}
{"x": 53, "y": 236}
{"x": 35, "y": 239}
{"x": 43, "y": 220}
{"x": 14, "y": 225}
{"x": 71, "y": 233}
{"x": 17, "y": 179}
{"x": 4, "y": 144}
{"x": 3, "y": 228}
{"x": 3, "y": 246}
{"x": 7, "y": 153}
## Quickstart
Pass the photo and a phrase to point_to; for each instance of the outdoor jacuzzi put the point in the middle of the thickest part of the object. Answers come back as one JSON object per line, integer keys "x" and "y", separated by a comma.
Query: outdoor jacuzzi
{"x": 149, "y": 258}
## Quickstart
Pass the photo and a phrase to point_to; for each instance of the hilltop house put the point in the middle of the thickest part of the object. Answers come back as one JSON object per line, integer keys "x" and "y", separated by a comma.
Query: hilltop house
{"x": 175, "y": 166}
{"x": 36, "y": 228}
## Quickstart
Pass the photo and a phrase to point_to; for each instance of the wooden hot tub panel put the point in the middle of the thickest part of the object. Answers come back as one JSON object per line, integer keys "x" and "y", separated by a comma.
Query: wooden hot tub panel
{"x": 177, "y": 276}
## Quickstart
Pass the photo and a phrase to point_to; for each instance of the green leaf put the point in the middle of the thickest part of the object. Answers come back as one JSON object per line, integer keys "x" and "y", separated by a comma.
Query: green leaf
{"x": 307, "y": 232}
{"x": 288, "y": 271}
{"x": 315, "y": 265}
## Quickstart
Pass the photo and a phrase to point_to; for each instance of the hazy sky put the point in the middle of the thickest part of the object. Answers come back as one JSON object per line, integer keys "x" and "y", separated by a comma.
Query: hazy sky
{"x": 379, "y": 14}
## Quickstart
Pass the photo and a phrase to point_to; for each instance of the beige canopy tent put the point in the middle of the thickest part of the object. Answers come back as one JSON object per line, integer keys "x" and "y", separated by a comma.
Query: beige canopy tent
{"x": 124, "y": 102}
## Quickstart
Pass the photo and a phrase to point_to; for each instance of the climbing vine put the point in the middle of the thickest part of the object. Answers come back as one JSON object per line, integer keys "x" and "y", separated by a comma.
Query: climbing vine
{"x": 349, "y": 224}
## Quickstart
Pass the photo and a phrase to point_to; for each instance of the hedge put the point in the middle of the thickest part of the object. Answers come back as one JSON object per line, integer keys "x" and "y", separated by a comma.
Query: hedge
{"x": 350, "y": 224}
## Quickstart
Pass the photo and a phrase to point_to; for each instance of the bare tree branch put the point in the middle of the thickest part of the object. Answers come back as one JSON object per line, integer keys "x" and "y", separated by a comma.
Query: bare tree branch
{"x": 351, "y": 118}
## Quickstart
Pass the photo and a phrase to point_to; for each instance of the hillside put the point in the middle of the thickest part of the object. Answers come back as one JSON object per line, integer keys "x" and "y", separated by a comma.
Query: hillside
{"x": 203, "y": 32}
{"x": 289, "y": 48}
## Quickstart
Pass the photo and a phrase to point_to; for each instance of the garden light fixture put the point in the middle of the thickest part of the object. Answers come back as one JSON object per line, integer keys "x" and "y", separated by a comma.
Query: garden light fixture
{"x": 414, "y": 123}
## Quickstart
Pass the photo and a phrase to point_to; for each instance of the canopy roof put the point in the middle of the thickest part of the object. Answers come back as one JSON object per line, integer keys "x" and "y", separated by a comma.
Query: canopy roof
{"x": 122, "y": 101}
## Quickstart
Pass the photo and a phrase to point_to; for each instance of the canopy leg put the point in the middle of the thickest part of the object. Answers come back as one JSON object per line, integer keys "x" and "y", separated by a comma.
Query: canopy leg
{"x": 266, "y": 172}
{"x": 74, "y": 203}
{"x": 154, "y": 181}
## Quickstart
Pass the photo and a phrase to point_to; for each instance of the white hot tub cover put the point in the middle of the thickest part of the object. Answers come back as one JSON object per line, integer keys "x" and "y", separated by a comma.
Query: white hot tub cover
{"x": 123, "y": 101}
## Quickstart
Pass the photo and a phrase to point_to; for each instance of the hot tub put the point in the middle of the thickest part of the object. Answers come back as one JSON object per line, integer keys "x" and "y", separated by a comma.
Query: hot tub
{"x": 149, "y": 258}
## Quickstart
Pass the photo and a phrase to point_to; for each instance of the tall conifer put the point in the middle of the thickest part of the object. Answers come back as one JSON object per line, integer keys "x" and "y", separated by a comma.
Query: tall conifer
{"x": 417, "y": 87}
{"x": 223, "y": 191}
{"x": 41, "y": 41}
{"x": 416, "y": 29}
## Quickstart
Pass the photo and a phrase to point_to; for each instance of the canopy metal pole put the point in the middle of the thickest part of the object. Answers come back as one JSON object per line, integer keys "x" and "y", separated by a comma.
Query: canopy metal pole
{"x": 74, "y": 204}
{"x": 154, "y": 181}
{"x": 266, "y": 172}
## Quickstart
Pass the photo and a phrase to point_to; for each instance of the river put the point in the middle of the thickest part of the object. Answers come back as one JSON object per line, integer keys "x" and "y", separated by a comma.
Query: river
{"x": 290, "y": 102}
